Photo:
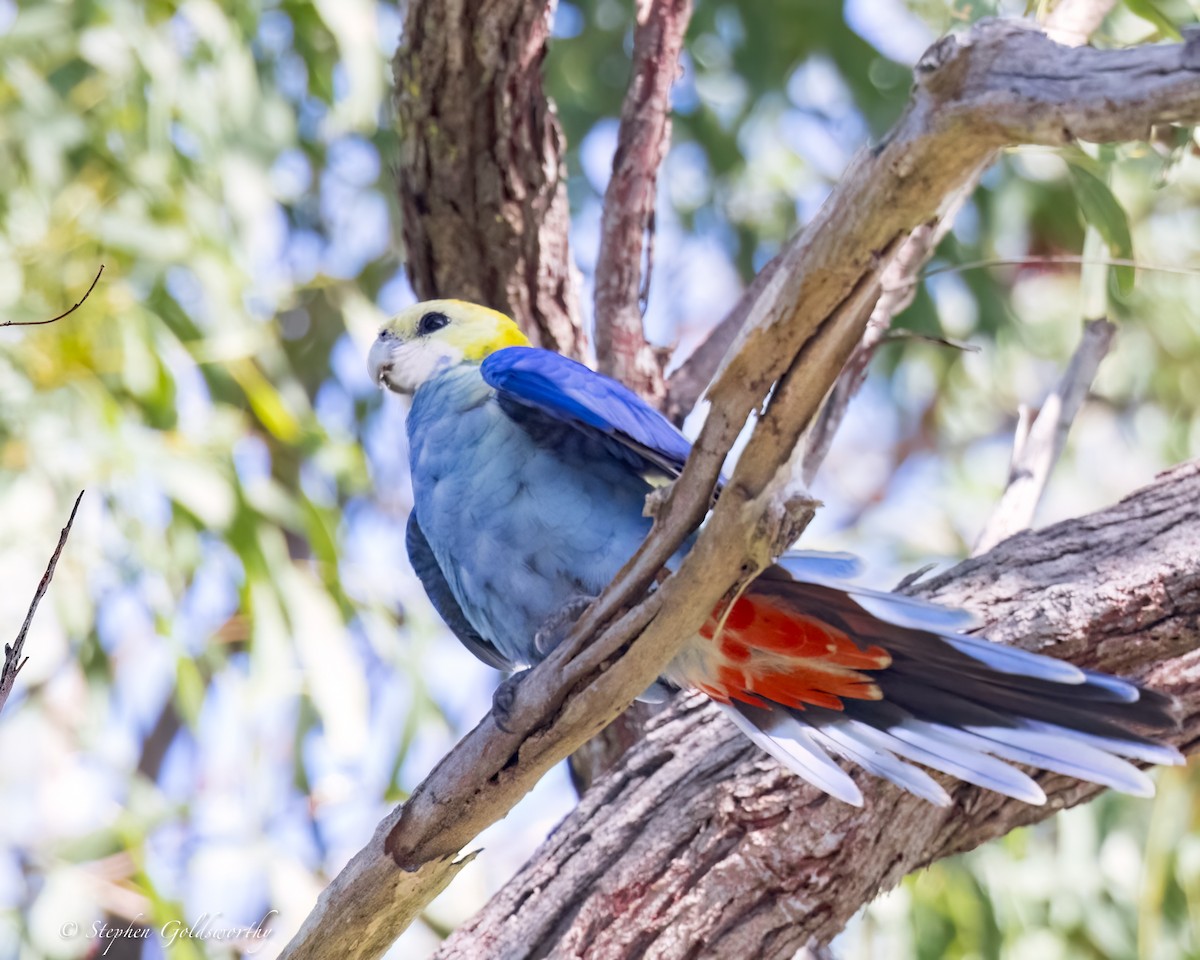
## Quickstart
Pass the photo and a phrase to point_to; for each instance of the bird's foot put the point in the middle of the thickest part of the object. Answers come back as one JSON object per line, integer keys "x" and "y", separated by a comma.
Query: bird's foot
{"x": 558, "y": 625}
{"x": 505, "y": 698}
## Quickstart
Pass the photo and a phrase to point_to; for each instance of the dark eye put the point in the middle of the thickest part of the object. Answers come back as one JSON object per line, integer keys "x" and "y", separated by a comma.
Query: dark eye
{"x": 431, "y": 322}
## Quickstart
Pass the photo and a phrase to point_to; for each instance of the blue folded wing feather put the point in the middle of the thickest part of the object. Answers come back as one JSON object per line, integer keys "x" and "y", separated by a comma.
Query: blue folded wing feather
{"x": 425, "y": 564}
{"x": 549, "y": 385}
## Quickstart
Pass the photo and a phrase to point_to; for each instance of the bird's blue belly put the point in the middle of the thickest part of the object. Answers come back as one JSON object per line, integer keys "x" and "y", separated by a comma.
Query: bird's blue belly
{"x": 519, "y": 526}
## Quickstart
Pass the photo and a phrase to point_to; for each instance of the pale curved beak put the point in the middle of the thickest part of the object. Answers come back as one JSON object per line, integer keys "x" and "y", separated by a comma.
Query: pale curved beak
{"x": 379, "y": 360}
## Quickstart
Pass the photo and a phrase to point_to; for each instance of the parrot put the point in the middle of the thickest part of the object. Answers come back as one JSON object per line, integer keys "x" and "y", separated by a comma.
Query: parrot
{"x": 530, "y": 473}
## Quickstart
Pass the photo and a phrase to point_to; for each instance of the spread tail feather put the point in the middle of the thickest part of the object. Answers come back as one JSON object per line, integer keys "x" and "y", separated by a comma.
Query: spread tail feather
{"x": 809, "y": 666}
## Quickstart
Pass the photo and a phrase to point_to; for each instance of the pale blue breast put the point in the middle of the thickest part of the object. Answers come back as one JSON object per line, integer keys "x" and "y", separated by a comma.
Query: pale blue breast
{"x": 519, "y": 526}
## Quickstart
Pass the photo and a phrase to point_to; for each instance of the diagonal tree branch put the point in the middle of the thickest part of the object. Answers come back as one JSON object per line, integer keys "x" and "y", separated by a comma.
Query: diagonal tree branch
{"x": 689, "y": 380}
{"x": 1039, "y": 443}
{"x": 671, "y": 849}
{"x": 1070, "y": 23}
{"x": 13, "y": 661}
{"x": 628, "y": 221}
{"x": 1001, "y": 83}
{"x": 480, "y": 176}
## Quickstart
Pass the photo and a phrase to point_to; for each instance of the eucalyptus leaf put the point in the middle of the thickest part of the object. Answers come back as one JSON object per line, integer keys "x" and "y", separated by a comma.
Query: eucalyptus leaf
{"x": 1100, "y": 208}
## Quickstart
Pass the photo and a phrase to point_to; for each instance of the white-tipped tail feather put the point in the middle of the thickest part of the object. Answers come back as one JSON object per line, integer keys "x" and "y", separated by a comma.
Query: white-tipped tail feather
{"x": 954, "y": 703}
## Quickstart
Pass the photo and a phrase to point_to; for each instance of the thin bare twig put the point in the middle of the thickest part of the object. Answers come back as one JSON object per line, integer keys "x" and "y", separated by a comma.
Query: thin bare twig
{"x": 910, "y": 579}
{"x": 13, "y": 661}
{"x": 67, "y": 313}
{"x": 627, "y": 226}
{"x": 1039, "y": 442}
{"x": 898, "y": 290}
{"x": 1042, "y": 260}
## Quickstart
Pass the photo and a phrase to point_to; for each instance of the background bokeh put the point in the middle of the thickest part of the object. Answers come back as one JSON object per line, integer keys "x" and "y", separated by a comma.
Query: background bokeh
{"x": 235, "y": 672}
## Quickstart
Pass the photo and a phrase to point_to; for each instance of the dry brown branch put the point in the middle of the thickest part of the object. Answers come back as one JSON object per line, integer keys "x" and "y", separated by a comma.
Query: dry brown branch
{"x": 1039, "y": 441}
{"x": 13, "y": 661}
{"x": 1045, "y": 260}
{"x": 628, "y": 220}
{"x": 698, "y": 838}
{"x": 480, "y": 174}
{"x": 622, "y": 286}
{"x": 1001, "y": 83}
{"x": 66, "y": 313}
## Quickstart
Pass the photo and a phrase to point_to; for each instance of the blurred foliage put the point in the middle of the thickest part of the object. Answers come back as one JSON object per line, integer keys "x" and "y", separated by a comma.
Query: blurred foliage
{"x": 235, "y": 670}
{"x": 1114, "y": 878}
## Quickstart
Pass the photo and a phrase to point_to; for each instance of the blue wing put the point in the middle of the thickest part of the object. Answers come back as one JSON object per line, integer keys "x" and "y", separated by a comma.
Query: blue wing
{"x": 425, "y": 564}
{"x": 534, "y": 383}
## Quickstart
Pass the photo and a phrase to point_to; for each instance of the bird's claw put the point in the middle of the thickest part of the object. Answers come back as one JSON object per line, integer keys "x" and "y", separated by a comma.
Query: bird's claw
{"x": 558, "y": 625}
{"x": 549, "y": 636}
{"x": 505, "y": 698}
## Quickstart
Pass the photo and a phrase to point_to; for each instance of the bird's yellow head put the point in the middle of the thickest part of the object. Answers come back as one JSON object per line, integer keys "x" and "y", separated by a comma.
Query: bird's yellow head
{"x": 428, "y": 337}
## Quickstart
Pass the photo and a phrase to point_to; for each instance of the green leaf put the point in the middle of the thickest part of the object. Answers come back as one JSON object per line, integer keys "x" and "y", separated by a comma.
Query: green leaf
{"x": 1102, "y": 210}
{"x": 190, "y": 690}
{"x": 1148, "y": 10}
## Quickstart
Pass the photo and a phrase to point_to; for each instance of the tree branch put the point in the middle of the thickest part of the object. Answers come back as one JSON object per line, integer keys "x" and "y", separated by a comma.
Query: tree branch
{"x": 480, "y": 176}
{"x": 1039, "y": 443}
{"x": 1070, "y": 23}
{"x": 628, "y": 221}
{"x": 13, "y": 661}
{"x": 66, "y": 313}
{"x": 698, "y": 838}
{"x": 621, "y": 287}
{"x": 999, "y": 84}
{"x": 1143, "y": 85}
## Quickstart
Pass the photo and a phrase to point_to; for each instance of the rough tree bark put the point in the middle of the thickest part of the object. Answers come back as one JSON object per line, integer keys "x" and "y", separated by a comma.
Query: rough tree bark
{"x": 698, "y": 845}
{"x": 480, "y": 175}
{"x": 999, "y": 84}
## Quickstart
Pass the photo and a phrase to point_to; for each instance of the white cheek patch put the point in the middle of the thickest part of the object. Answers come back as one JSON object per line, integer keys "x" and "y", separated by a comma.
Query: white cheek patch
{"x": 415, "y": 362}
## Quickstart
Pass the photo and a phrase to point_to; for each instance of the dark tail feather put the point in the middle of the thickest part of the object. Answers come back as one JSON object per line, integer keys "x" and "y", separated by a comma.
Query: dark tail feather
{"x": 951, "y": 702}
